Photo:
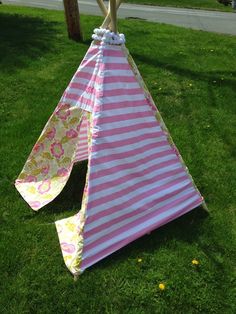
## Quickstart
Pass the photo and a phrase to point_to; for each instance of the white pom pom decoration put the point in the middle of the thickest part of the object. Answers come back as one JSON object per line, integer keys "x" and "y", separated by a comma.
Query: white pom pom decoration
{"x": 108, "y": 37}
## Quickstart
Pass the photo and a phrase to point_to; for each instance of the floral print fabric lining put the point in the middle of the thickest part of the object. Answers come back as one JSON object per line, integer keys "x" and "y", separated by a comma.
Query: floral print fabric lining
{"x": 51, "y": 160}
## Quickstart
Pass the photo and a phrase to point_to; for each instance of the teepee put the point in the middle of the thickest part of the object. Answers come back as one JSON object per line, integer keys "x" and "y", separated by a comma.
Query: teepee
{"x": 136, "y": 179}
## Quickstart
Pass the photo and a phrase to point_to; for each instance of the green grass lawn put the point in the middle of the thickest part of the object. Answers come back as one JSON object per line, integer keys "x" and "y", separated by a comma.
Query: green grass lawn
{"x": 194, "y": 4}
{"x": 191, "y": 75}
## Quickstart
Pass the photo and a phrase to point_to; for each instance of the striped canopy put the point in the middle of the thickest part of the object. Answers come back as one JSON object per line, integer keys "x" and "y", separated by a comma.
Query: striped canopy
{"x": 136, "y": 179}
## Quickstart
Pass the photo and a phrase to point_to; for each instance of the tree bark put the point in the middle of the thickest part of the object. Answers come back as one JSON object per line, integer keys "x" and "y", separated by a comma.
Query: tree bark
{"x": 73, "y": 19}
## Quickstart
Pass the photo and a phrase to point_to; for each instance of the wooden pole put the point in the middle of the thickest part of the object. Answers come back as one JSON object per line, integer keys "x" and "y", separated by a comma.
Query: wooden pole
{"x": 107, "y": 19}
{"x": 102, "y": 7}
{"x": 113, "y": 15}
{"x": 73, "y": 19}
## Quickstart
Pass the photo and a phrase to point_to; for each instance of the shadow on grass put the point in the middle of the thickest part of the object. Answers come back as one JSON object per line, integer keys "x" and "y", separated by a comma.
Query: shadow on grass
{"x": 23, "y": 39}
{"x": 204, "y": 76}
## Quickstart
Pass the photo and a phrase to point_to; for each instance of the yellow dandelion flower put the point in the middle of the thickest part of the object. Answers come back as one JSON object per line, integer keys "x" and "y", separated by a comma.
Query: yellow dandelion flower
{"x": 190, "y": 84}
{"x": 140, "y": 260}
{"x": 162, "y": 286}
{"x": 195, "y": 262}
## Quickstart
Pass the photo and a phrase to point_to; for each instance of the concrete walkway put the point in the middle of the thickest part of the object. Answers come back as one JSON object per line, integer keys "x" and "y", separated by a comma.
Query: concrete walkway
{"x": 211, "y": 21}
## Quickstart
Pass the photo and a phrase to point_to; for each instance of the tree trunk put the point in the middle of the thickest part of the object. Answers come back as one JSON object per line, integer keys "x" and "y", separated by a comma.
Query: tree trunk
{"x": 73, "y": 19}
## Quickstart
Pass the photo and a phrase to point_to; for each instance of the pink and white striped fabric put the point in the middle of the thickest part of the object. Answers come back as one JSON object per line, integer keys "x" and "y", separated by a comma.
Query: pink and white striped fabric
{"x": 136, "y": 181}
